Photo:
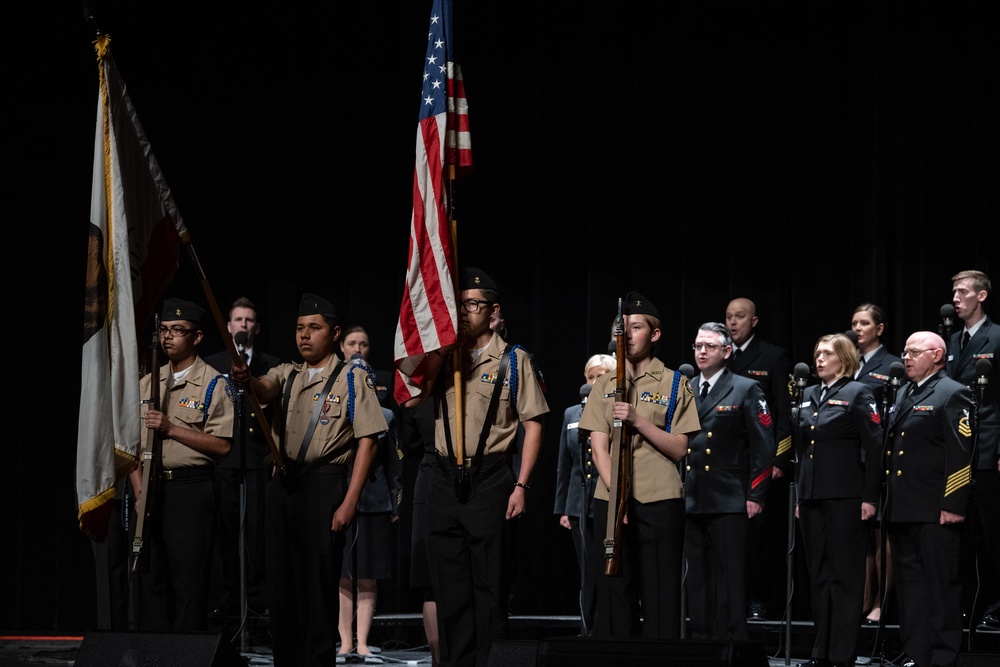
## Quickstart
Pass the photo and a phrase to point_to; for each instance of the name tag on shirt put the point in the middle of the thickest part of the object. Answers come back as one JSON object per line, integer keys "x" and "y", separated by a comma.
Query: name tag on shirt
{"x": 573, "y": 425}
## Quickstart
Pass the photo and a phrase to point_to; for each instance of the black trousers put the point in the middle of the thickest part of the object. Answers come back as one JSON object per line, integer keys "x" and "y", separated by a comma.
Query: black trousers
{"x": 467, "y": 549}
{"x": 652, "y": 557}
{"x": 173, "y": 597}
{"x": 303, "y": 566}
{"x": 715, "y": 548}
{"x": 587, "y": 561}
{"x": 836, "y": 541}
{"x": 925, "y": 558}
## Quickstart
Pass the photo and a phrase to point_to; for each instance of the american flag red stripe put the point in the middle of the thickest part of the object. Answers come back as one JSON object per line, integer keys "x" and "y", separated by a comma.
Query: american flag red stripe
{"x": 428, "y": 316}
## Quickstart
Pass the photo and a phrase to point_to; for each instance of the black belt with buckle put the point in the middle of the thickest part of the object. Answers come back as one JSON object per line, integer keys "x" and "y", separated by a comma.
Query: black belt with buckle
{"x": 488, "y": 464}
{"x": 192, "y": 472}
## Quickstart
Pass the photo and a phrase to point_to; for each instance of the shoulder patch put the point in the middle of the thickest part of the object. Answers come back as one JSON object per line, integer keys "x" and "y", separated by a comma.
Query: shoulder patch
{"x": 687, "y": 388}
{"x": 369, "y": 381}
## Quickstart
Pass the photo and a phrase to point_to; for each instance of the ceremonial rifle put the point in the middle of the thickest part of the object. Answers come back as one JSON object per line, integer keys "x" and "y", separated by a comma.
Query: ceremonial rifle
{"x": 621, "y": 463}
{"x": 146, "y": 504}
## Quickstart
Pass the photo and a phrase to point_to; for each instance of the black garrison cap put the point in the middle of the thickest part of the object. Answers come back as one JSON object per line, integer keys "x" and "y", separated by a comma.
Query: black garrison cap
{"x": 316, "y": 305}
{"x": 472, "y": 278}
{"x": 179, "y": 309}
{"x": 637, "y": 304}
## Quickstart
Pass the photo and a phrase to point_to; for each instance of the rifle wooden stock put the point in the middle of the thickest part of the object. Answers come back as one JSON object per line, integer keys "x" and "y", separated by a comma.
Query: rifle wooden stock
{"x": 234, "y": 355}
{"x": 151, "y": 458}
{"x": 621, "y": 464}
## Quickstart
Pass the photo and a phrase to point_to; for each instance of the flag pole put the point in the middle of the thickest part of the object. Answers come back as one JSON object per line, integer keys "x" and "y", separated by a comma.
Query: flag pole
{"x": 234, "y": 355}
{"x": 456, "y": 353}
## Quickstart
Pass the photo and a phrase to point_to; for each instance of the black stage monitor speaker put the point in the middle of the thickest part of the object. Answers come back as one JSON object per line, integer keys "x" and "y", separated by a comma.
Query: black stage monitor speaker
{"x": 157, "y": 649}
{"x": 575, "y": 651}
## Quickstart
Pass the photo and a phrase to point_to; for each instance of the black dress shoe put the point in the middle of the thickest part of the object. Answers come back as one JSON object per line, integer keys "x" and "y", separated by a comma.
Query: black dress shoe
{"x": 816, "y": 662}
{"x": 757, "y": 613}
{"x": 224, "y": 609}
{"x": 908, "y": 662}
{"x": 989, "y": 622}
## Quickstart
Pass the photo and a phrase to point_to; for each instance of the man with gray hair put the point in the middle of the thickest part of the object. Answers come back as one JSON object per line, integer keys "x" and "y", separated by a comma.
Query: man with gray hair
{"x": 727, "y": 473}
{"x": 930, "y": 444}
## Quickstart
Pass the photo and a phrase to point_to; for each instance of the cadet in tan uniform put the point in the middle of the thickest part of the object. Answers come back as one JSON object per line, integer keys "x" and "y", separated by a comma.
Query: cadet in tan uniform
{"x": 195, "y": 421}
{"x": 327, "y": 415}
{"x": 653, "y": 538}
{"x": 467, "y": 540}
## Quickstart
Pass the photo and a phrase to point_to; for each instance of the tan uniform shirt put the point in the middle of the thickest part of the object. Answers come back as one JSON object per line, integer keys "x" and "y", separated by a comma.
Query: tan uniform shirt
{"x": 480, "y": 379}
{"x": 655, "y": 475}
{"x": 334, "y": 430}
{"x": 184, "y": 404}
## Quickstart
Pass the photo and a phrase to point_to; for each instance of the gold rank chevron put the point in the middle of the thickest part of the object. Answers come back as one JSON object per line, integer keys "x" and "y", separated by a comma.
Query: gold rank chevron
{"x": 784, "y": 446}
{"x": 964, "y": 429}
{"x": 957, "y": 480}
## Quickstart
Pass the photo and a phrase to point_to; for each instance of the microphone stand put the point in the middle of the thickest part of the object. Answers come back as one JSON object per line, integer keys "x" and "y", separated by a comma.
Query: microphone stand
{"x": 800, "y": 385}
{"x": 978, "y": 396}
{"x": 883, "y": 518}
{"x": 242, "y": 439}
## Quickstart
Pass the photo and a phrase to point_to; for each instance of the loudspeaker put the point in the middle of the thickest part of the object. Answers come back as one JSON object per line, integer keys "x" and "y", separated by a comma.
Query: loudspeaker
{"x": 574, "y": 651}
{"x": 157, "y": 649}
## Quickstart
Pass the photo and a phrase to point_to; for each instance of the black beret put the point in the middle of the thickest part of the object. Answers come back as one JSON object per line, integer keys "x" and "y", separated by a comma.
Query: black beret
{"x": 179, "y": 309}
{"x": 637, "y": 304}
{"x": 316, "y": 305}
{"x": 472, "y": 278}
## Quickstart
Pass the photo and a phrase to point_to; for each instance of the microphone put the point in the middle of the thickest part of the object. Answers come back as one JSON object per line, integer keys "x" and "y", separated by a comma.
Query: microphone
{"x": 613, "y": 347}
{"x": 241, "y": 339}
{"x": 853, "y": 335}
{"x": 358, "y": 360}
{"x": 585, "y": 390}
{"x": 948, "y": 315}
{"x": 687, "y": 370}
{"x": 896, "y": 371}
{"x": 983, "y": 368}
{"x": 801, "y": 375}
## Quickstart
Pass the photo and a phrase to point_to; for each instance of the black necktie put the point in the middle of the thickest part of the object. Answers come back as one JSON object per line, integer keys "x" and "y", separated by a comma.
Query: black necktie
{"x": 822, "y": 395}
{"x": 704, "y": 389}
{"x": 735, "y": 355}
{"x": 965, "y": 341}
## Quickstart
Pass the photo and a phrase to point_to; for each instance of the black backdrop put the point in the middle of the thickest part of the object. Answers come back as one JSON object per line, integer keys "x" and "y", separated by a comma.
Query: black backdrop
{"x": 810, "y": 156}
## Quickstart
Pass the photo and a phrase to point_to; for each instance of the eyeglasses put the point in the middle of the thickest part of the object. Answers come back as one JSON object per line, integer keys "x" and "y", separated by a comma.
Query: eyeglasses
{"x": 708, "y": 347}
{"x": 912, "y": 354}
{"x": 473, "y": 305}
{"x": 175, "y": 331}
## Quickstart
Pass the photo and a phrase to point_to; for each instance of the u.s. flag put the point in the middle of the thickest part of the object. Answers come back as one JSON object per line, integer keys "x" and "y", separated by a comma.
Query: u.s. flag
{"x": 428, "y": 316}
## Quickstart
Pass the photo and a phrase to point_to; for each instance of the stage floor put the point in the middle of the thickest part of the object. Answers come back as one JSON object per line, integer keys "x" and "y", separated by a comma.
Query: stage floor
{"x": 400, "y": 637}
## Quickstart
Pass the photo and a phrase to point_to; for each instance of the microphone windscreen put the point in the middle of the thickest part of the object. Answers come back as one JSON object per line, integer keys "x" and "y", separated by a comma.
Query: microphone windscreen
{"x": 687, "y": 370}
{"x": 241, "y": 338}
{"x": 357, "y": 355}
{"x": 585, "y": 390}
{"x": 613, "y": 347}
{"x": 983, "y": 367}
{"x": 948, "y": 311}
{"x": 801, "y": 371}
{"x": 853, "y": 335}
{"x": 896, "y": 369}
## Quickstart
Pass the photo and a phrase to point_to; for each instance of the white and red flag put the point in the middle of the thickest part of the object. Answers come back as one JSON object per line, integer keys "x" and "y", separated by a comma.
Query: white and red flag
{"x": 428, "y": 316}
{"x": 135, "y": 234}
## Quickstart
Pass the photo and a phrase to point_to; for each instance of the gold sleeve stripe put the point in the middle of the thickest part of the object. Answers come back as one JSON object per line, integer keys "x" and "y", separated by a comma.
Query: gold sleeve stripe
{"x": 957, "y": 480}
{"x": 784, "y": 445}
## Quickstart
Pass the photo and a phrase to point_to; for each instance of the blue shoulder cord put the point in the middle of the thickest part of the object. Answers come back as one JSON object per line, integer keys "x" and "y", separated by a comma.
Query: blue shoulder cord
{"x": 230, "y": 392}
{"x": 672, "y": 405}
{"x": 360, "y": 363}
{"x": 512, "y": 364}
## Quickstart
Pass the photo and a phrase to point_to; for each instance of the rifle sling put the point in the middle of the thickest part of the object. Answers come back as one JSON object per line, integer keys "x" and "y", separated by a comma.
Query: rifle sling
{"x": 491, "y": 414}
{"x": 317, "y": 411}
